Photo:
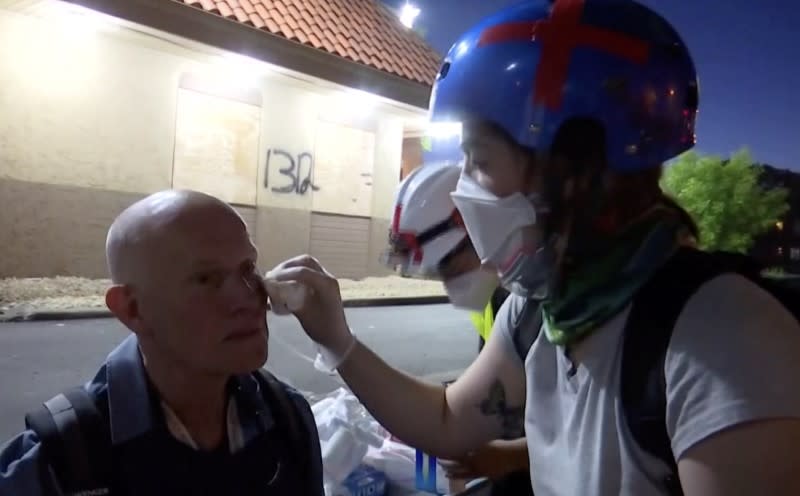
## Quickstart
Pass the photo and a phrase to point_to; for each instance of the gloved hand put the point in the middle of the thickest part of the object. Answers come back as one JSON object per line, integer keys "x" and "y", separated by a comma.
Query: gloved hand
{"x": 285, "y": 297}
{"x": 320, "y": 312}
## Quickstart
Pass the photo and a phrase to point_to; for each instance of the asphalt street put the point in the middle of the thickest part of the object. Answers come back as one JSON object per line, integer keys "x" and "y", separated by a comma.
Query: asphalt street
{"x": 40, "y": 359}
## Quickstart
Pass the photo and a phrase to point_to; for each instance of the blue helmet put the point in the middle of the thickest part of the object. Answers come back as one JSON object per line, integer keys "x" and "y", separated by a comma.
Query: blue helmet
{"x": 531, "y": 67}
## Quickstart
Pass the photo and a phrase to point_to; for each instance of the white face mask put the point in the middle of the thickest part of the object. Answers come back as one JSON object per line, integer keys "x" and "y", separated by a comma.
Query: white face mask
{"x": 490, "y": 220}
{"x": 502, "y": 232}
{"x": 472, "y": 290}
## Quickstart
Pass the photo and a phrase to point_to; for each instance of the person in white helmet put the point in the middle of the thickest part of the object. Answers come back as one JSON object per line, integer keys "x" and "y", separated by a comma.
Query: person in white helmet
{"x": 428, "y": 240}
{"x": 424, "y": 214}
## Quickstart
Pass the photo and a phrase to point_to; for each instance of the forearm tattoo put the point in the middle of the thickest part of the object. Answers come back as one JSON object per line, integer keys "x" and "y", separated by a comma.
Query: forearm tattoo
{"x": 497, "y": 405}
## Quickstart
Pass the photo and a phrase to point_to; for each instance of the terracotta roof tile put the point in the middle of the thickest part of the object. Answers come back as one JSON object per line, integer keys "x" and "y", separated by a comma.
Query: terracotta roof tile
{"x": 240, "y": 15}
{"x": 314, "y": 41}
{"x": 304, "y": 25}
{"x": 294, "y": 14}
{"x": 342, "y": 41}
{"x": 224, "y": 9}
{"x": 272, "y": 26}
{"x": 286, "y": 31}
{"x": 257, "y": 21}
{"x": 326, "y": 42}
{"x": 262, "y": 11}
{"x": 365, "y": 31}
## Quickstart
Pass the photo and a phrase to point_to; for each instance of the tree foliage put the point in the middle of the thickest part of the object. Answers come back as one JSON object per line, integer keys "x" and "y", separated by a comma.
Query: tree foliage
{"x": 426, "y": 143}
{"x": 726, "y": 198}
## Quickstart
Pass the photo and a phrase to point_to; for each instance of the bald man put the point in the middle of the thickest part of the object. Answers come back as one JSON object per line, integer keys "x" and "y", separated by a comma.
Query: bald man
{"x": 181, "y": 405}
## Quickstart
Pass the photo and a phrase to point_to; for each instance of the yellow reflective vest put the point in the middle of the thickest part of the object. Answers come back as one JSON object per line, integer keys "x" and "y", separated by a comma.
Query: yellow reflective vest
{"x": 483, "y": 321}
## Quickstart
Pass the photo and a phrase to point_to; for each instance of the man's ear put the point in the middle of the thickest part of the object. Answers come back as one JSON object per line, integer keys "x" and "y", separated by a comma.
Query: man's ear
{"x": 122, "y": 302}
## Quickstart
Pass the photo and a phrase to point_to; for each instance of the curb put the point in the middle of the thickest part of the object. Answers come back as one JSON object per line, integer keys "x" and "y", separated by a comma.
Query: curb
{"x": 395, "y": 301}
{"x": 55, "y": 315}
{"x": 45, "y": 315}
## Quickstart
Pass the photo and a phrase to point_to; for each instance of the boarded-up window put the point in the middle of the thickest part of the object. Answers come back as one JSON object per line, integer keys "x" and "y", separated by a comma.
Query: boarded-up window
{"x": 345, "y": 158}
{"x": 216, "y": 146}
{"x": 411, "y": 157}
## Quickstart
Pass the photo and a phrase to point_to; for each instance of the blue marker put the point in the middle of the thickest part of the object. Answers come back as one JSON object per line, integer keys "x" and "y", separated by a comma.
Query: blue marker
{"x": 426, "y": 473}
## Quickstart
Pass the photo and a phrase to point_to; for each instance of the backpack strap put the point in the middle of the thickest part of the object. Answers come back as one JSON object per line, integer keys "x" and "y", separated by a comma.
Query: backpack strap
{"x": 654, "y": 313}
{"x": 498, "y": 298}
{"x": 75, "y": 441}
{"x": 527, "y": 325}
{"x": 287, "y": 417}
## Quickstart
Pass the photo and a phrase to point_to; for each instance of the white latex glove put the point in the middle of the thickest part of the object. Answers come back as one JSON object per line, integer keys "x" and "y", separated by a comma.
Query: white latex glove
{"x": 285, "y": 297}
{"x": 312, "y": 294}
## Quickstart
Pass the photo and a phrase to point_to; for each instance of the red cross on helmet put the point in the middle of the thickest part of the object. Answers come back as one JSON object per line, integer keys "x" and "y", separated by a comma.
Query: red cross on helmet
{"x": 531, "y": 67}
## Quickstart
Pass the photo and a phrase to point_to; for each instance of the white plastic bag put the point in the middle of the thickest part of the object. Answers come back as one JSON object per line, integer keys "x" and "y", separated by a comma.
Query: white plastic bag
{"x": 399, "y": 463}
{"x": 346, "y": 431}
{"x": 342, "y": 410}
{"x": 349, "y": 436}
{"x": 342, "y": 454}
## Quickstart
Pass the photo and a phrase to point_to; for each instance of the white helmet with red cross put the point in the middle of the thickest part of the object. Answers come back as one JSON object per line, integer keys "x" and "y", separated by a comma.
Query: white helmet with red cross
{"x": 426, "y": 227}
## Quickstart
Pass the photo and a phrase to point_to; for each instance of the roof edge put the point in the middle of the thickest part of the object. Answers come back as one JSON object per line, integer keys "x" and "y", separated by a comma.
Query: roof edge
{"x": 211, "y": 29}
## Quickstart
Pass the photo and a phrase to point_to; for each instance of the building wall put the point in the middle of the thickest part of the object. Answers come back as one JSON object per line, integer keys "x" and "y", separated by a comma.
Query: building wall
{"x": 94, "y": 116}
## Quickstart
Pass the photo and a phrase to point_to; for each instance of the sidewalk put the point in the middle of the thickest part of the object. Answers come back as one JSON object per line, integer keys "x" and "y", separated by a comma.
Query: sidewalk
{"x": 64, "y": 298}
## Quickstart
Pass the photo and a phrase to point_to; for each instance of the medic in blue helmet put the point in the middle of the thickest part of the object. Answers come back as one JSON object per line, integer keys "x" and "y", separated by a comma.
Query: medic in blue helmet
{"x": 633, "y": 368}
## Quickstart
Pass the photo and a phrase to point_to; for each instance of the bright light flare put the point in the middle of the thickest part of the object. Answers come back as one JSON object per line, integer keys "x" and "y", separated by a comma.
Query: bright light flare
{"x": 409, "y": 14}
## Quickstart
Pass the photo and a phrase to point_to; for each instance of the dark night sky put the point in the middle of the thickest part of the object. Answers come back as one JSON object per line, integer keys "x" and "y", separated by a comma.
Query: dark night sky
{"x": 747, "y": 56}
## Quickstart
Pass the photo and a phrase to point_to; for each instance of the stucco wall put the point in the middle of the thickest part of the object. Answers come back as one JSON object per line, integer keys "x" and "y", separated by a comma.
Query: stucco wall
{"x": 90, "y": 120}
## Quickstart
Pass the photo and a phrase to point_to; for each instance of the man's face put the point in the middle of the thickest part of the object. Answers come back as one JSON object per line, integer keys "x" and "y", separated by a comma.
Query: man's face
{"x": 205, "y": 305}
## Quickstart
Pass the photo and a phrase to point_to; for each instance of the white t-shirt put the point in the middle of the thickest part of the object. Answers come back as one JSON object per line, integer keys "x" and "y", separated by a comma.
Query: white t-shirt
{"x": 734, "y": 357}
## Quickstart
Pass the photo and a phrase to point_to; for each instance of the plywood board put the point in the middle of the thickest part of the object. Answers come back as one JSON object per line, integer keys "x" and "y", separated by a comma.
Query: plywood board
{"x": 344, "y": 163}
{"x": 216, "y": 147}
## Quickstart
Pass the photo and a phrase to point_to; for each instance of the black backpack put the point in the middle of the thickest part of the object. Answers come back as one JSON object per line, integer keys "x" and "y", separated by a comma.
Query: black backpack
{"x": 654, "y": 312}
{"x": 76, "y": 441}
{"x": 498, "y": 298}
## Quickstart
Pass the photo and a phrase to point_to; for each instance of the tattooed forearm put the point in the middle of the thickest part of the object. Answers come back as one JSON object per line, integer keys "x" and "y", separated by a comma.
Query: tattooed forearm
{"x": 496, "y": 405}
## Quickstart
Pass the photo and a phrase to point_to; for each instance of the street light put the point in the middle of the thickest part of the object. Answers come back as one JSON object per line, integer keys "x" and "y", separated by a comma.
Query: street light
{"x": 408, "y": 14}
